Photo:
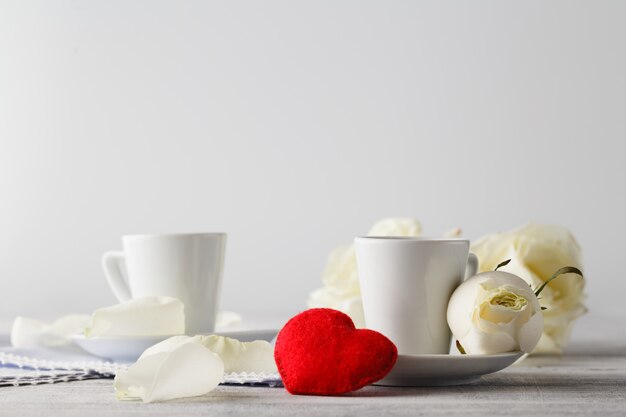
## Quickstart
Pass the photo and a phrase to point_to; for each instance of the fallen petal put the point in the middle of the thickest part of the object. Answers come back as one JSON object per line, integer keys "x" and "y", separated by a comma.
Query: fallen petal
{"x": 188, "y": 370}
{"x": 257, "y": 356}
{"x": 149, "y": 316}
{"x": 28, "y": 332}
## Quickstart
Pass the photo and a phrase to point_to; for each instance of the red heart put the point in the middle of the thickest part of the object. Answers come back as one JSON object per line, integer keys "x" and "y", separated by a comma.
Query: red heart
{"x": 320, "y": 352}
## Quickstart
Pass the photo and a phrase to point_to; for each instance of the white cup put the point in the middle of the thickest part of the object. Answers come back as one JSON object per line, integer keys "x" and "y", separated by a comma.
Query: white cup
{"x": 185, "y": 266}
{"x": 406, "y": 284}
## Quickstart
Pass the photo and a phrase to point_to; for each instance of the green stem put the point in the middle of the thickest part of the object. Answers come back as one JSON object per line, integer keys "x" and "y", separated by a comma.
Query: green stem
{"x": 564, "y": 270}
{"x": 460, "y": 348}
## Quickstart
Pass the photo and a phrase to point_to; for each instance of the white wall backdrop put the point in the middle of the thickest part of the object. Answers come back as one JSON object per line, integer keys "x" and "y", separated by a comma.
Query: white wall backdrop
{"x": 293, "y": 126}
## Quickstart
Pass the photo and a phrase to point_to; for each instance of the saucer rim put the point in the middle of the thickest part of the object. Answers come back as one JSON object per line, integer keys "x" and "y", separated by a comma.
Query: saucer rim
{"x": 226, "y": 333}
{"x": 417, "y": 370}
{"x": 450, "y": 356}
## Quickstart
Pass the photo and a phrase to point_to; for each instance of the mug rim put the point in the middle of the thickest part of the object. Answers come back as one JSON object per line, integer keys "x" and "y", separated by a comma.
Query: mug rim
{"x": 416, "y": 239}
{"x": 148, "y": 235}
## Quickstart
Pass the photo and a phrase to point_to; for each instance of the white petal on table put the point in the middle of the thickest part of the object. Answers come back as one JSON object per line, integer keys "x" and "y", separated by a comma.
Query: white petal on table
{"x": 177, "y": 369}
{"x": 148, "y": 316}
{"x": 28, "y": 332}
{"x": 256, "y": 356}
{"x": 168, "y": 345}
{"x": 250, "y": 357}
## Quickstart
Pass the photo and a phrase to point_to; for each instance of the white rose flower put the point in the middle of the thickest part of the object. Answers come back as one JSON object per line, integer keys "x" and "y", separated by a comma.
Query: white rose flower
{"x": 495, "y": 312}
{"x": 536, "y": 251}
{"x": 400, "y": 227}
{"x": 341, "y": 282}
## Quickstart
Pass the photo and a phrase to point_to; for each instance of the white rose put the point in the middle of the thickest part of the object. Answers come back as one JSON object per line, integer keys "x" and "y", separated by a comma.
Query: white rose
{"x": 495, "y": 312}
{"x": 536, "y": 252}
{"x": 400, "y": 227}
{"x": 341, "y": 282}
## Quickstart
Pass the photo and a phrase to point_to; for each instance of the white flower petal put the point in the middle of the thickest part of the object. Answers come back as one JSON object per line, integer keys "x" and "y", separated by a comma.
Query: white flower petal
{"x": 477, "y": 342}
{"x": 256, "y": 356}
{"x": 461, "y": 308}
{"x": 27, "y": 332}
{"x": 546, "y": 344}
{"x": 400, "y": 226}
{"x": 166, "y": 346}
{"x": 530, "y": 332}
{"x": 188, "y": 369}
{"x": 554, "y": 339}
{"x": 496, "y": 316}
{"x": 341, "y": 267}
{"x": 149, "y": 316}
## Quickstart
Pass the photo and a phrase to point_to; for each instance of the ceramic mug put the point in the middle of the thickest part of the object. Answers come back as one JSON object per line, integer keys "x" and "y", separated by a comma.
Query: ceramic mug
{"x": 406, "y": 284}
{"x": 185, "y": 266}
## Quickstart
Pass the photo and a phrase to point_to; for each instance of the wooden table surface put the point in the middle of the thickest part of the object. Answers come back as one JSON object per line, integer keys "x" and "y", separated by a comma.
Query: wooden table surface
{"x": 590, "y": 379}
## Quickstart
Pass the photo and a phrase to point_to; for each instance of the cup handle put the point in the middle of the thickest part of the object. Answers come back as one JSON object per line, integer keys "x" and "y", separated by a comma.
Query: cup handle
{"x": 472, "y": 266}
{"x": 112, "y": 265}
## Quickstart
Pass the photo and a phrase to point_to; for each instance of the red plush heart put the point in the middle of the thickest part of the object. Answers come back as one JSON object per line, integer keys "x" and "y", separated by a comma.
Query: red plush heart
{"x": 320, "y": 352}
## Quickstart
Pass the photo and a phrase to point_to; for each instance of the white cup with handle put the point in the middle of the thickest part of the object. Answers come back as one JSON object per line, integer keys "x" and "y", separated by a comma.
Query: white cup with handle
{"x": 185, "y": 266}
{"x": 406, "y": 284}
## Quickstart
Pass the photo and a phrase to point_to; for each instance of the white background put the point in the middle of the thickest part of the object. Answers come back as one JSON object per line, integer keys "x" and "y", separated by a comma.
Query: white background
{"x": 293, "y": 126}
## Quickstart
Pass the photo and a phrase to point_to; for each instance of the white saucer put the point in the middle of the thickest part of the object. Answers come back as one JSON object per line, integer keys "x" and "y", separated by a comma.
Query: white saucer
{"x": 129, "y": 348}
{"x": 441, "y": 370}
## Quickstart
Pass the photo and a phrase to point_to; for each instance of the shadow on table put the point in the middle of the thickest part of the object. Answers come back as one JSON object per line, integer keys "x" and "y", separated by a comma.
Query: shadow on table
{"x": 380, "y": 391}
{"x": 605, "y": 376}
{"x": 597, "y": 348}
{"x": 610, "y": 379}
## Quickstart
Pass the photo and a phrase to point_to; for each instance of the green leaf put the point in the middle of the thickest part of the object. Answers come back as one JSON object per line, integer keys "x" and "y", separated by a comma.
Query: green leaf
{"x": 564, "y": 270}
{"x": 503, "y": 263}
{"x": 460, "y": 348}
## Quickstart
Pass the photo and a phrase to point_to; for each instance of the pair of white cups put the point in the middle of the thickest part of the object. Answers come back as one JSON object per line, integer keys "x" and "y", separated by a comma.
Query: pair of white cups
{"x": 405, "y": 282}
